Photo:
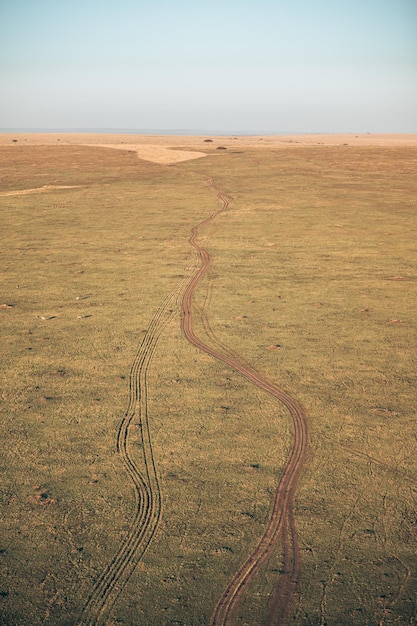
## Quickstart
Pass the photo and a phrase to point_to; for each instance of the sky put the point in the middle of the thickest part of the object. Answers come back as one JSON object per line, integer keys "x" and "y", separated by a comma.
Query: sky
{"x": 320, "y": 66}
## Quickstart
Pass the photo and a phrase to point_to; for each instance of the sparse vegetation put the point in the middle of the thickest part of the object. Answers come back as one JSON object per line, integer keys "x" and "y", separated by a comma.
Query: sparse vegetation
{"x": 313, "y": 283}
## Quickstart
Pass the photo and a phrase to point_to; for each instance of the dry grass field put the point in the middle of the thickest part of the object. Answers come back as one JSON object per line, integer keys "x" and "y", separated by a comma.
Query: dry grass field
{"x": 137, "y": 472}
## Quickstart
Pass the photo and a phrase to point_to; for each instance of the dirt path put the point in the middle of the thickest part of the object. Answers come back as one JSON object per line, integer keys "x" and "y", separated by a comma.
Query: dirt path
{"x": 281, "y": 524}
{"x": 142, "y": 472}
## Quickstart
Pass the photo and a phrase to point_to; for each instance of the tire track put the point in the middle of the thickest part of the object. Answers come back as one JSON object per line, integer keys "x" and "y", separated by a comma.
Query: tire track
{"x": 145, "y": 481}
{"x": 282, "y": 509}
{"x": 144, "y": 476}
{"x": 281, "y": 598}
{"x": 204, "y": 319}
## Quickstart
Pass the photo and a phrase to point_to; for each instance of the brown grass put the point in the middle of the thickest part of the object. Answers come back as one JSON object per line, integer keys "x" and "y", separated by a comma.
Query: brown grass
{"x": 315, "y": 254}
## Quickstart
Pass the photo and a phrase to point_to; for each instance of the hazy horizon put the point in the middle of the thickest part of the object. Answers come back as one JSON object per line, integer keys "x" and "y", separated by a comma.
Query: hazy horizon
{"x": 184, "y": 131}
{"x": 171, "y": 131}
{"x": 265, "y": 67}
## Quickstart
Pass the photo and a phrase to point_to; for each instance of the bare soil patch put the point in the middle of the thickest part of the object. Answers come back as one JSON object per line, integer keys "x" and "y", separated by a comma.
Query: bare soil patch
{"x": 44, "y": 188}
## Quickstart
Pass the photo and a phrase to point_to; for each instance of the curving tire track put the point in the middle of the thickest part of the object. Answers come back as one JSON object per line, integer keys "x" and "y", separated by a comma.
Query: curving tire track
{"x": 142, "y": 474}
{"x": 282, "y": 509}
{"x": 282, "y": 596}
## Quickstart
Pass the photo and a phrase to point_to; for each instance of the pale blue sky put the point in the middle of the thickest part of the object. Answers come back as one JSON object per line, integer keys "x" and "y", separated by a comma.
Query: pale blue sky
{"x": 223, "y": 65}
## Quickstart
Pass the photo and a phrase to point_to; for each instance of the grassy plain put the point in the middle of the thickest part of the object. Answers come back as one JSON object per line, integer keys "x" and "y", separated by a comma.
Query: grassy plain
{"x": 313, "y": 283}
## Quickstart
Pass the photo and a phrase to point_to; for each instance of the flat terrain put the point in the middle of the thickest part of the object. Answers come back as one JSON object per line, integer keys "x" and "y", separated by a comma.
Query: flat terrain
{"x": 143, "y": 465}
{"x": 171, "y": 149}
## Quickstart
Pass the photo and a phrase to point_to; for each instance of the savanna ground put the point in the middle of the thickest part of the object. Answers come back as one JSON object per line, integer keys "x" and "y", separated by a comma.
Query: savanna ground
{"x": 313, "y": 283}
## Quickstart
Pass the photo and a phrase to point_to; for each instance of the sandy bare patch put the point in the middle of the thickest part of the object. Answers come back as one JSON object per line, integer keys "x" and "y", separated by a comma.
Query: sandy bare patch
{"x": 155, "y": 153}
{"x": 24, "y": 192}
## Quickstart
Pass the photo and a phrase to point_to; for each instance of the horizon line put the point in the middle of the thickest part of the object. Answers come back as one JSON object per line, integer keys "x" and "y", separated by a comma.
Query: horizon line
{"x": 187, "y": 131}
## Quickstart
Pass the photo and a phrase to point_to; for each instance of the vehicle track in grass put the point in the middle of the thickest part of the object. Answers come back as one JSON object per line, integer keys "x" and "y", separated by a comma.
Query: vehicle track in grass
{"x": 140, "y": 468}
{"x": 281, "y": 525}
{"x": 143, "y": 474}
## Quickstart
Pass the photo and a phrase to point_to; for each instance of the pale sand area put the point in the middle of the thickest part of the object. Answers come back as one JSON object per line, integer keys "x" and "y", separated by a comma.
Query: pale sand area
{"x": 24, "y": 192}
{"x": 171, "y": 149}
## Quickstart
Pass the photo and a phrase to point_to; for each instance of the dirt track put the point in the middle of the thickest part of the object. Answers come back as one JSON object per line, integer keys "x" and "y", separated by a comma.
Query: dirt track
{"x": 143, "y": 473}
{"x": 282, "y": 523}
{"x": 141, "y": 470}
